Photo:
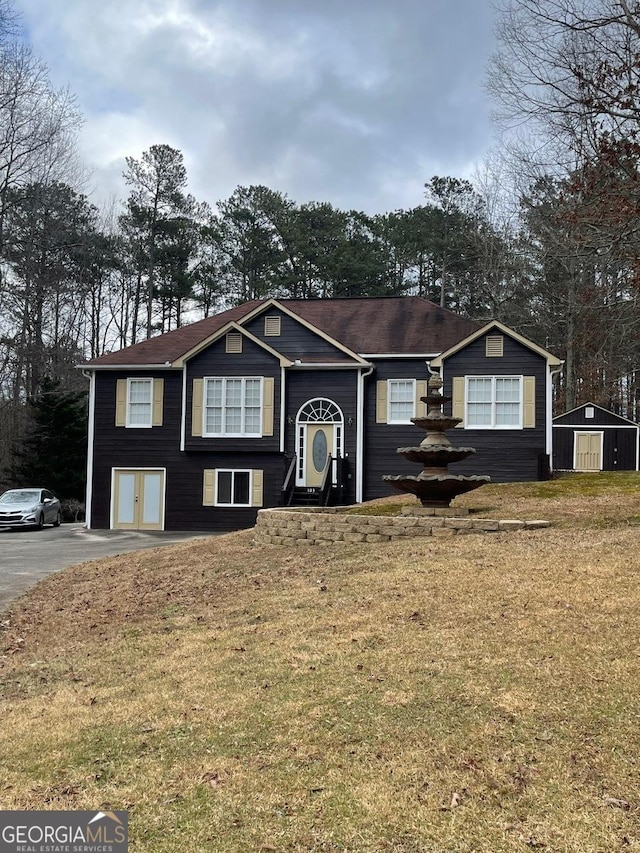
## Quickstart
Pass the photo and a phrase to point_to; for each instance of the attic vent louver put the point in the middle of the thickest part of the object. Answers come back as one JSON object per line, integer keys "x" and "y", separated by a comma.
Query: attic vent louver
{"x": 234, "y": 342}
{"x": 272, "y": 327}
{"x": 494, "y": 346}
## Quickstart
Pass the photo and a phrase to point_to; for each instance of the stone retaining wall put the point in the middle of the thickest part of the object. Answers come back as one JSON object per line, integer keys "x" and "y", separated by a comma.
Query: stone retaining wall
{"x": 330, "y": 525}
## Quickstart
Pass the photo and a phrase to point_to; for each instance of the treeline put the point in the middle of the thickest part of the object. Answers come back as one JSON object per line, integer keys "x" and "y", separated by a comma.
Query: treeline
{"x": 550, "y": 248}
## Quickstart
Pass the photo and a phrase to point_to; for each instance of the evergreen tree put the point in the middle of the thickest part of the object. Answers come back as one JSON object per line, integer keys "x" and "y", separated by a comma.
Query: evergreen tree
{"x": 53, "y": 454}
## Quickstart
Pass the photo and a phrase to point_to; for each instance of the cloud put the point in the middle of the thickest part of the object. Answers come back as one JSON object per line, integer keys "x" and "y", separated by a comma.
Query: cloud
{"x": 358, "y": 103}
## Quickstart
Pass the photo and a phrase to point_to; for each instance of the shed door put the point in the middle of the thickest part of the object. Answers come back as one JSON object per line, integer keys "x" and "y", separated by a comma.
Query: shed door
{"x": 138, "y": 500}
{"x": 588, "y": 451}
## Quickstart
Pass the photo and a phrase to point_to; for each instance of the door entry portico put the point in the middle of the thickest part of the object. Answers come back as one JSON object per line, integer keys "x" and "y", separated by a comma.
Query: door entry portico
{"x": 319, "y": 434}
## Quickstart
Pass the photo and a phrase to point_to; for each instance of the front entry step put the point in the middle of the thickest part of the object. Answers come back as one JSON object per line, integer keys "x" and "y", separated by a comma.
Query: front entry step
{"x": 305, "y": 496}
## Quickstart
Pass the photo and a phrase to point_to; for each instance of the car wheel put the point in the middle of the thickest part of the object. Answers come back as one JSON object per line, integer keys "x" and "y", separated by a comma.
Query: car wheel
{"x": 57, "y": 520}
{"x": 40, "y": 521}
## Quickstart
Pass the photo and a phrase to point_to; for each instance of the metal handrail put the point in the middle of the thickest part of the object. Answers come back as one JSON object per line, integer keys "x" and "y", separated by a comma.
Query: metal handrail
{"x": 327, "y": 482}
{"x": 289, "y": 483}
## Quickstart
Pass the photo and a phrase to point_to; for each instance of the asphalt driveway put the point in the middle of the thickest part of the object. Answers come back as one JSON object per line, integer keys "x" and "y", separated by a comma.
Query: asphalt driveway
{"x": 26, "y": 556}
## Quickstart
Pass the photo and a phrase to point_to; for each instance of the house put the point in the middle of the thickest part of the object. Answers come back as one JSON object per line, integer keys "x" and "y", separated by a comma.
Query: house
{"x": 590, "y": 438}
{"x": 283, "y": 401}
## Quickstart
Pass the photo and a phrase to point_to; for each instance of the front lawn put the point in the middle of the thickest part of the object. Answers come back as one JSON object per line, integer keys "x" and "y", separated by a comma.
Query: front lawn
{"x": 478, "y": 693}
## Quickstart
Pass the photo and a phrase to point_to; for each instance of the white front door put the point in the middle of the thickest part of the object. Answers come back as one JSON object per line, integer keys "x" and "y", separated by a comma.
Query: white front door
{"x": 138, "y": 499}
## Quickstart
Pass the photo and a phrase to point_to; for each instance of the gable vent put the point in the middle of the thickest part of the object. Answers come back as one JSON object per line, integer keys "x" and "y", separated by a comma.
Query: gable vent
{"x": 494, "y": 346}
{"x": 272, "y": 327}
{"x": 234, "y": 342}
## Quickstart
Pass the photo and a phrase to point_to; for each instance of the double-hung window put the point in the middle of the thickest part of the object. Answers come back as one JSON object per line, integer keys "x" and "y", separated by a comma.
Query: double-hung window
{"x": 233, "y": 406}
{"x": 494, "y": 402}
{"x": 139, "y": 402}
{"x": 402, "y": 397}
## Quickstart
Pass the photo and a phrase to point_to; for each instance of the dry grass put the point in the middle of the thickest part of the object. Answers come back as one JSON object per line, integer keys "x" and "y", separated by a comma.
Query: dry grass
{"x": 470, "y": 694}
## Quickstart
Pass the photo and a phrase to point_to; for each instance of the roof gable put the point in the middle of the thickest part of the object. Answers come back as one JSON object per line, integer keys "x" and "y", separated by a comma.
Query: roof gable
{"x": 552, "y": 360}
{"x": 566, "y": 415}
{"x": 220, "y": 333}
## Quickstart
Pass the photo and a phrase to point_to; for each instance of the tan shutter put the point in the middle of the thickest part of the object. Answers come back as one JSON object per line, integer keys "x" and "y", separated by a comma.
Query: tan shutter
{"x": 196, "y": 407}
{"x": 529, "y": 396}
{"x": 256, "y": 487}
{"x": 421, "y": 391}
{"x": 121, "y": 403}
{"x": 209, "y": 487}
{"x": 457, "y": 404}
{"x": 158, "y": 397}
{"x": 267, "y": 405}
{"x": 381, "y": 402}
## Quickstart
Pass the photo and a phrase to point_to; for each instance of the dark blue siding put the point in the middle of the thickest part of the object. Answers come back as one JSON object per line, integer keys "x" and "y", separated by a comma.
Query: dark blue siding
{"x": 506, "y": 455}
{"x": 252, "y": 361}
{"x": 295, "y": 340}
{"x": 382, "y": 440}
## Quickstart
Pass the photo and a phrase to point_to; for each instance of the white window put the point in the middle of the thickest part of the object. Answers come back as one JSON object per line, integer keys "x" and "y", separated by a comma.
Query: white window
{"x": 402, "y": 399}
{"x": 233, "y": 488}
{"x": 494, "y": 402}
{"x": 139, "y": 402}
{"x": 233, "y": 407}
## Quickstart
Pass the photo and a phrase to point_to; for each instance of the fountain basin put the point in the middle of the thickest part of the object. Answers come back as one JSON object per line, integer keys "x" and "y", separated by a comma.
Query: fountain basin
{"x": 435, "y": 455}
{"x": 436, "y": 489}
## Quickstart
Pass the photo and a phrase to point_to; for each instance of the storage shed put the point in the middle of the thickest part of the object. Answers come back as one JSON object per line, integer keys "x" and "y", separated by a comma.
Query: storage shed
{"x": 590, "y": 438}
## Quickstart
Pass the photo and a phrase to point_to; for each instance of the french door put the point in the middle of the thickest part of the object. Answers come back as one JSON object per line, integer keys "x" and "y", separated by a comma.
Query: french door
{"x": 138, "y": 499}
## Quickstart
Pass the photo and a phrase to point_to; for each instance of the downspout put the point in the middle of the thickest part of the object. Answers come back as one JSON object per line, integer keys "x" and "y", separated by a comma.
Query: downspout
{"x": 183, "y": 419}
{"x": 91, "y": 376}
{"x": 549, "y": 423}
{"x": 282, "y": 409}
{"x": 360, "y": 433}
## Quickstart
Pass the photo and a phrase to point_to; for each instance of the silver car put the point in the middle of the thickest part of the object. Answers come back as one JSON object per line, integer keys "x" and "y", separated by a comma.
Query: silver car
{"x": 29, "y": 508}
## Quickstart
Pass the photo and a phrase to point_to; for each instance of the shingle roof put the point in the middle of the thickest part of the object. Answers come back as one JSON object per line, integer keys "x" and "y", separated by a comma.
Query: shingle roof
{"x": 391, "y": 324}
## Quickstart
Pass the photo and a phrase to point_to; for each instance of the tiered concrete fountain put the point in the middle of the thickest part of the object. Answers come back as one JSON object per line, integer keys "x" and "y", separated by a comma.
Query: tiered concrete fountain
{"x": 434, "y": 485}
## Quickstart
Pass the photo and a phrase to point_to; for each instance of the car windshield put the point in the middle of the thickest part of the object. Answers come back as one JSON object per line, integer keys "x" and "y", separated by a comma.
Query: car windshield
{"x": 20, "y": 496}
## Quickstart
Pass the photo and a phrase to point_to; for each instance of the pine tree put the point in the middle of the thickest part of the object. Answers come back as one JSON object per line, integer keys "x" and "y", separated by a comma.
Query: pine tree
{"x": 53, "y": 455}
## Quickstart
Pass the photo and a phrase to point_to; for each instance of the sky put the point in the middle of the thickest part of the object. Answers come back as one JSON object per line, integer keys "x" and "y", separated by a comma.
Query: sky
{"x": 355, "y": 102}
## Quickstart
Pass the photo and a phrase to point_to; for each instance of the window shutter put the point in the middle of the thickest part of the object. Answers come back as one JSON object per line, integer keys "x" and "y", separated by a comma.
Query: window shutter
{"x": 529, "y": 397}
{"x": 267, "y": 405}
{"x": 421, "y": 391}
{"x": 209, "y": 487}
{"x": 158, "y": 398}
{"x": 256, "y": 488}
{"x": 457, "y": 405}
{"x": 381, "y": 402}
{"x": 121, "y": 402}
{"x": 196, "y": 407}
